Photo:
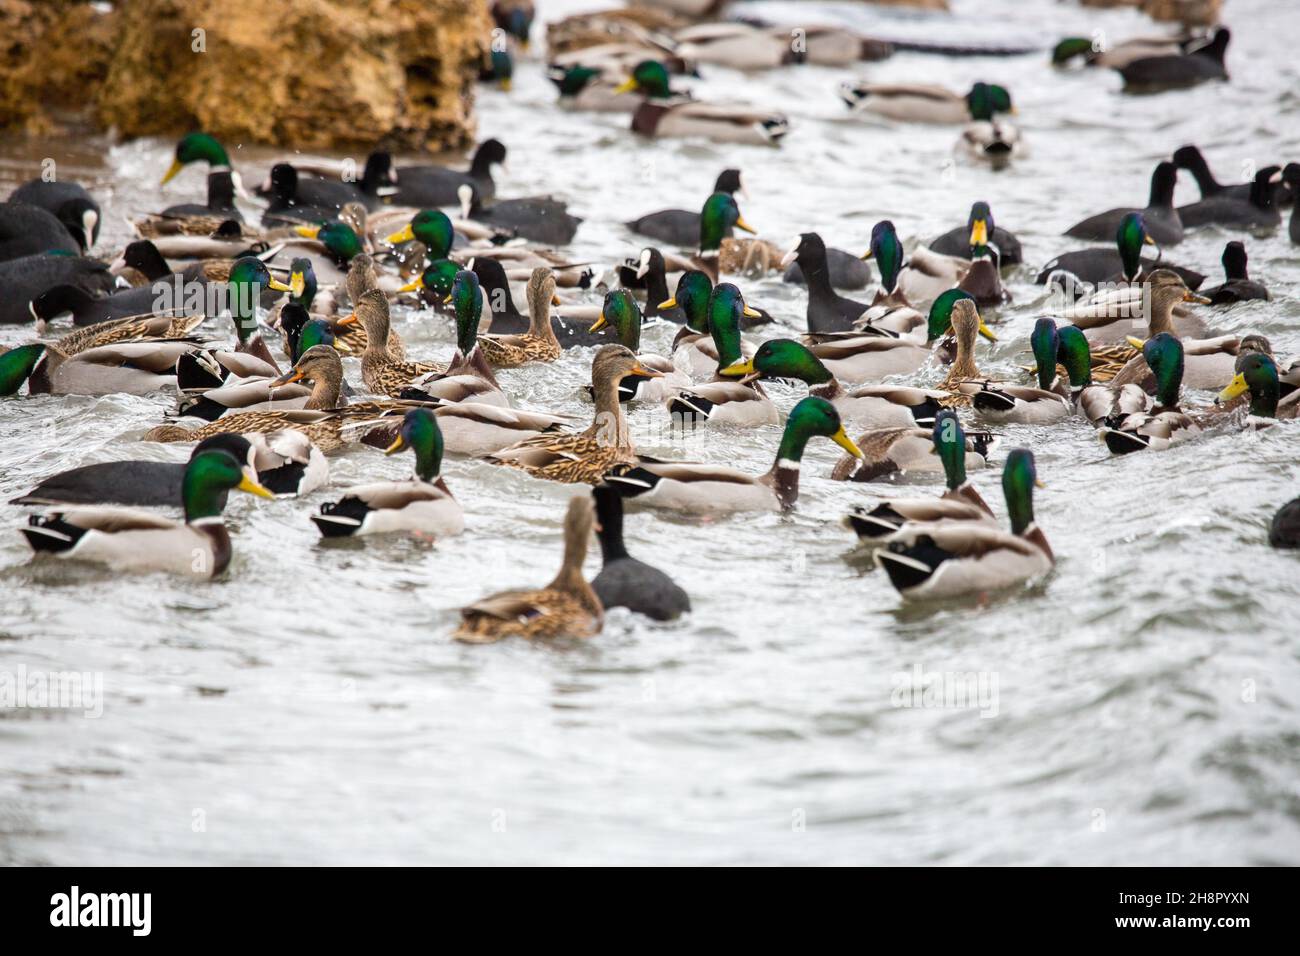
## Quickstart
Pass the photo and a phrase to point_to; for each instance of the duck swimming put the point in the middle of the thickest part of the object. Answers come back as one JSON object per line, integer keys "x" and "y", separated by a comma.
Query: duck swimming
{"x": 664, "y": 113}
{"x": 1160, "y": 217}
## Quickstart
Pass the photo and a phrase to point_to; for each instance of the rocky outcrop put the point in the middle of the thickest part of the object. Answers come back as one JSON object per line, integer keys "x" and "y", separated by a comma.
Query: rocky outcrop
{"x": 1192, "y": 13}
{"x": 309, "y": 73}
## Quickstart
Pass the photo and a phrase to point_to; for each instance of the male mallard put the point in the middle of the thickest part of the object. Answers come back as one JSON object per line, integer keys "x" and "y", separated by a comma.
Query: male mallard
{"x": 128, "y": 540}
{"x": 1118, "y": 55}
{"x": 664, "y": 113}
{"x": 724, "y": 400}
{"x": 718, "y": 217}
{"x": 988, "y": 137}
{"x": 421, "y": 504}
{"x": 693, "y": 350}
{"x": 468, "y": 376}
{"x": 132, "y": 368}
{"x": 382, "y": 376}
{"x": 873, "y": 406}
{"x": 619, "y": 311}
{"x": 18, "y": 364}
{"x": 1159, "y": 217}
{"x": 681, "y": 227}
{"x": 878, "y": 525}
{"x": 1165, "y": 423}
{"x": 584, "y": 456}
{"x": 960, "y": 241}
{"x": 1257, "y": 373}
{"x": 432, "y": 228}
{"x": 945, "y": 559}
{"x": 223, "y": 182}
{"x": 567, "y": 607}
{"x": 1123, "y": 264}
{"x": 920, "y": 103}
{"x": 337, "y": 245}
{"x": 591, "y": 88}
{"x": 539, "y": 343}
{"x": 1003, "y": 402}
{"x": 1096, "y": 402}
{"x": 717, "y": 489}
{"x": 624, "y": 581}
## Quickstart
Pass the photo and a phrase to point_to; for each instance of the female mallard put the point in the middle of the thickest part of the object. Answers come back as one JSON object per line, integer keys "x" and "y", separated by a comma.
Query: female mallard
{"x": 717, "y": 489}
{"x": 920, "y": 103}
{"x": 584, "y": 456}
{"x": 1257, "y": 373}
{"x": 539, "y": 343}
{"x": 1050, "y": 402}
{"x": 681, "y": 227}
{"x": 624, "y": 581}
{"x": 1237, "y": 286}
{"x": 724, "y": 400}
{"x": 127, "y": 540}
{"x": 567, "y": 607}
{"x": 468, "y": 376}
{"x": 1110, "y": 318}
{"x": 151, "y": 327}
{"x": 1166, "y": 423}
{"x": 664, "y": 113}
{"x": 422, "y": 504}
{"x": 382, "y": 376}
{"x": 873, "y": 406}
{"x": 944, "y": 559}
{"x": 619, "y": 311}
{"x": 1160, "y": 217}
{"x": 878, "y": 525}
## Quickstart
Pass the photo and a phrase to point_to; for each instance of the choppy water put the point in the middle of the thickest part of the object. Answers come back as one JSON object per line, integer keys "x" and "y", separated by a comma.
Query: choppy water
{"x": 309, "y": 706}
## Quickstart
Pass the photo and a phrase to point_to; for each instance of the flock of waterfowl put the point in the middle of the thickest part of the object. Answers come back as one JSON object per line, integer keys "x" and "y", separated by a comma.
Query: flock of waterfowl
{"x": 318, "y": 292}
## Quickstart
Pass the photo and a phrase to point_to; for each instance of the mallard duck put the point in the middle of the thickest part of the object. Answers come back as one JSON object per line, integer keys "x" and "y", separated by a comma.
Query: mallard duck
{"x": 425, "y": 186}
{"x": 649, "y": 271}
{"x": 979, "y": 230}
{"x": 18, "y": 364}
{"x": 724, "y": 400}
{"x": 717, "y": 489}
{"x": 434, "y": 283}
{"x": 619, "y": 311}
{"x": 878, "y": 525}
{"x": 362, "y": 278}
{"x": 132, "y": 368}
{"x": 1124, "y": 263}
{"x": 944, "y": 559}
{"x": 591, "y": 88}
{"x": 989, "y": 138}
{"x": 381, "y": 375}
{"x": 1002, "y": 402}
{"x": 920, "y": 103}
{"x": 539, "y": 343}
{"x": 664, "y": 113}
{"x": 921, "y": 277}
{"x": 468, "y": 376}
{"x": 1257, "y": 211}
{"x": 223, "y": 181}
{"x": 1257, "y": 373}
{"x": 681, "y": 227}
{"x": 422, "y": 504}
{"x": 567, "y": 607}
{"x": 873, "y": 406}
{"x": 624, "y": 581}
{"x": 1160, "y": 218}
{"x": 173, "y": 327}
{"x": 1121, "y": 54}
{"x": 1237, "y": 286}
{"x": 69, "y": 203}
{"x": 887, "y": 452}
{"x": 1165, "y": 423}
{"x": 1151, "y": 74}
{"x": 1109, "y": 317}
{"x": 129, "y": 540}
{"x": 1097, "y": 402}
{"x": 693, "y": 350}
{"x": 718, "y": 217}
{"x": 432, "y": 228}
{"x": 584, "y": 456}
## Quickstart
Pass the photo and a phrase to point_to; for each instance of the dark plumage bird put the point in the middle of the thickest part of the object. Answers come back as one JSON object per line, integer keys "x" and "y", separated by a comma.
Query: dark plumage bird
{"x": 141, "y": 262}
{"x": 221, "y": 199}
{"x": 440, "y": 186}
{"x": 378, "y": 179}
{"x": 30, "y": 230}
{"x": 1191, "y": 159}
{"x": 827, "y": 310}
{"x": 650, "y": 273}
{"x": 846, "y": 271}
{"x": 538, "y": 218}
{"x": 681, "y": 227}
{"x": 87, "y": 309}
{"x": 956, "y": 242}
{"x": 508, "y": 320}
{"x": 624, "y": 581}
{"x": 1162, "y": 220}
{"x": 69, "y": 203}
{"x": 1121, "y": 263}
{"x": 1291, "y": 176}
{"x": 1285, "y": 530}
{"x": 1258, "y": 210}
{"x": 21, "y": 280}
{"x": 1238, "y": 287}
{"x": 293, "y": 198}
{"x": 1174, "y": 71}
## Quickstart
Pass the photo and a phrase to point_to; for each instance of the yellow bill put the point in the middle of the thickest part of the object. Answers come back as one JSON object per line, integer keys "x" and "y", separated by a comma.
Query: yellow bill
{"x": 297, "y": 284}
{"x": 1236, "y": 387}
{"x": 414, "y": 285}
{"x": 600, "y": 323}
{"x": 749, "y": 313}
{"x": 845, "y": 442}
{"x": 627, "y": 86}
{"x": 172, "y": 170}
{"x": 979, "y": 232}
{"x": 307, "y": 232}
{"x": 987, "y": 332}
{"x": 250, "y": 484}
{"x": 738, "y": 368}
{"x": 741, "y": 224}
{"x": 405, "y": 234}
{"x": 399, "y": 444}
{"x": 1134, "y": 341}
{"x": 273, "y": 283}
{"x": 668, "y": 304}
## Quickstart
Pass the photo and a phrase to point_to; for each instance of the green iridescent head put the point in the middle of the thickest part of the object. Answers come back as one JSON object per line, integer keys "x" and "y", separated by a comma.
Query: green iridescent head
{"x": 302, "y": 283}
{"x": 620, "y": 311}
{"x": 17, "y": 365}
{"x": 467, "y": 302}
{"x": 887, "y": 250}
{"x": 718, "y": 217}
{"x": 432, "y": 228}
{"x": 1019, "y": 476}
{"x": 1073, "y": 352}
{"x": 572, "y": 80}
{"x": 649, "y": 78}
{"x": 1164, "y": 355}
{"x": 694, "y": 290}
{"x": 499, "y": 66}
{"x": 950, "y": 446}
{"x": 1257, "y": 373}
{"x": 811, "y": 418}
{"x": 197, "y": 148}
{"x": 1045, "y": 342}
{"x": 726, "y": 306}
{"x": 1130, "y": 238}
{"x": 315, "y": 332}
{"x": 338, "y": 238}
{"x": 421, "y": 433}
{"x": 783, "y": 358}
{"x": 979, "y": 101}
{"x": 248, "y": 277}
{"x": 940, "y": 322}
{"x": 207, "y": 478}
{"x": 436, "y": 280}
{"x": 1069, "y": 48}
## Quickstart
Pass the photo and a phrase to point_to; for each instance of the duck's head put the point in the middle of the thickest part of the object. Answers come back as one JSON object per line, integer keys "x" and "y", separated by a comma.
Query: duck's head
{"x": 985, "y": 99}
{"x": 1256, "y": 372}
{"x": 1130, "y": 237}
{"x": 1019, "y": 479}
{"x": 1073, "y": 352}
{"x": 372, "y": 313}
{"x": 719, "y": 214}
{"x": 950, "y": 445}
{"x": 942, "y": 310}
{"x": 338, "y": 238}
{"x": 1164, "y": 356}
{"x": 318, "y": 364}
{"x": 1067, "y": 49}
{"x": 17, "y": 365}
{"x": 248, "y": 277}
{"x": 649, "y": 78}
{"x": 541, "y": 292}
{"x": 437, "y": 279}
{"x": 694, "y": 290}
{"x": 813, "y": 417}
{"x": 614, "y": 362}
{"x": 208, "y": 476}
{"x": 571, "y": 80}
{"x": 966, "y": 324}
{"x": 887, "y": 250}
{"x": 780, "y": 358}
{"x": 302, "y": 281}
{"x": 726, "y": 306}
{"x": 432, "y": 227}
{"x": 196, "y": 148}
{"x": 731, "y": 182}
{"x": 620, "y": 312}
{"x": 498, "y": 65}
{"x": 466, "y": 301}
{"x": 1167, "y": 289}
{"x": 1045, "y": 342}
{"x": 981, "y": 225}
{"x": 1234, "y": 260}
{"x": 421, "y": 434}
{"x": 239, "y": 448}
